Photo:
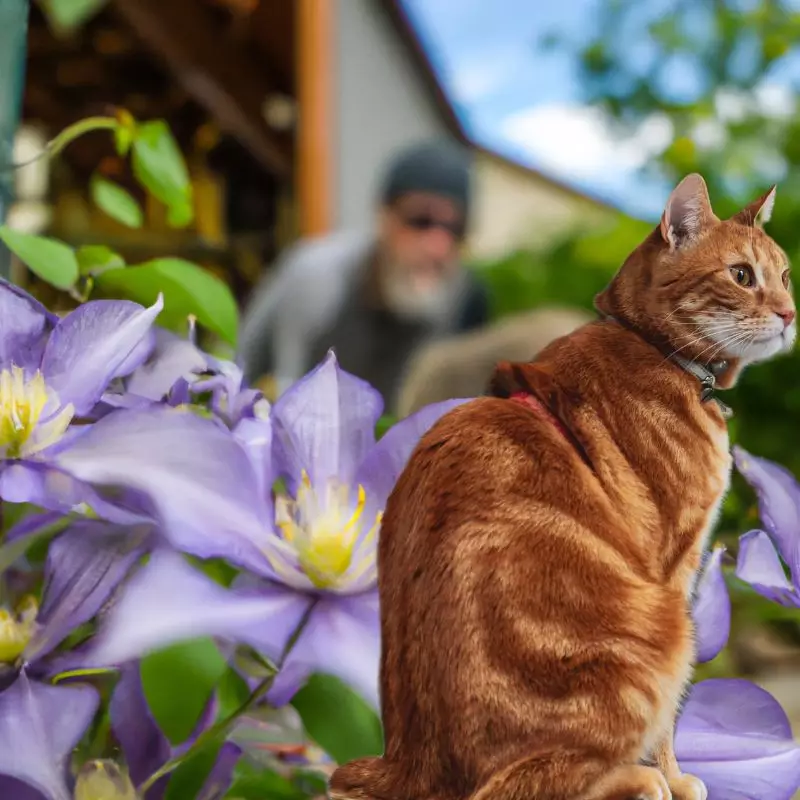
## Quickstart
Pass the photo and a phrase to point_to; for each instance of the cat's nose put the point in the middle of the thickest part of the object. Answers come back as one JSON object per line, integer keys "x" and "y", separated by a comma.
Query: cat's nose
{"x": 787, "y": 315}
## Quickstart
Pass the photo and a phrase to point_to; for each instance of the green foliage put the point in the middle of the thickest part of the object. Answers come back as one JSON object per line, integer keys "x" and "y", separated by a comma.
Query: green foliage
{"x": 187, "y": 289}
{"x": 338, "y": 719}
{"x": 178, "y": 682}
{"x": 66, "y": 15}
{"x": 256, "y": 783}
{"x": 94, "y": 259}
{"x": 51, "y": 260}
{"x": 116, "y": 202}
{"x": 159, "y": 167}
{"x": 189, "y": 777}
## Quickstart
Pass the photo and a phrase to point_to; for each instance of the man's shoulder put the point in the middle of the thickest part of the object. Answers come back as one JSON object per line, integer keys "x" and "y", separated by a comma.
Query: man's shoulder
{"x": 338, "y": 251}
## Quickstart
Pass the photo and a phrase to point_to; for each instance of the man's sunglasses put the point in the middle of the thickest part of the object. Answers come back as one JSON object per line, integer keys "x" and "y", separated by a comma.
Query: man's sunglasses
{"x": 425, "y": 222}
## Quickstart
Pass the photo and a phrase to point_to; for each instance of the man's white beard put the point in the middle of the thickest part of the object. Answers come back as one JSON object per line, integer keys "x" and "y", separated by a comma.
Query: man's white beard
{"x": 428, "y": 305}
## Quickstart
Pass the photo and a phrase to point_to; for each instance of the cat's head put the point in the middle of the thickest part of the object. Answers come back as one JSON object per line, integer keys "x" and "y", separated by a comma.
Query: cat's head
{"x": 708, "y": 289}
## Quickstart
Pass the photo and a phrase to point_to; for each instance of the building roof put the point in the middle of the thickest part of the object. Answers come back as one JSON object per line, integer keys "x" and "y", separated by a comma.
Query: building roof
{"x": 429, "y": 77}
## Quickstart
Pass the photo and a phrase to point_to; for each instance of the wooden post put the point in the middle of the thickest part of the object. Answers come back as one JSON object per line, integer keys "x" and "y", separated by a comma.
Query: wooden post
{"x": 316, "y": 57}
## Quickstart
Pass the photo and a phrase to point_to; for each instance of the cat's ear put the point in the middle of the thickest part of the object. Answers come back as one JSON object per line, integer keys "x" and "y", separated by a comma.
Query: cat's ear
{"x": 758, "y": 213}
{"x": 687, "y": 212}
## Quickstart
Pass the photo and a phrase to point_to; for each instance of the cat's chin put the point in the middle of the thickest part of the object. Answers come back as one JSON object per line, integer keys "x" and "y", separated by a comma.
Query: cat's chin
{"x": 768, "y": 347}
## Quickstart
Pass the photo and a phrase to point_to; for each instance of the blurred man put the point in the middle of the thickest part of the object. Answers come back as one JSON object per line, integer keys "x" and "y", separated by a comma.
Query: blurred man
{"x": 374, "y": 297}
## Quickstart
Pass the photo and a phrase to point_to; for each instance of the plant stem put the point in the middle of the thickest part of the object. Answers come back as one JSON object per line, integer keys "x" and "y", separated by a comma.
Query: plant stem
{"x": 222, "y": 727}
{"x": 66, "y": 137}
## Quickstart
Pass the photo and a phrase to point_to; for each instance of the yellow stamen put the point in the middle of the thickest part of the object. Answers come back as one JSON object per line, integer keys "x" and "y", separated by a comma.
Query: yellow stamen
{"x": 103, "y": 780}
{"x": 16, "y": 629}
{"x": 327, "y": 543}
{"x": 22, "y": 403}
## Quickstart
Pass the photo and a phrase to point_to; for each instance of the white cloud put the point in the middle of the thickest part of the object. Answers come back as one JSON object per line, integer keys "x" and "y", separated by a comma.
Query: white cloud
{"x": 579, "y": 141}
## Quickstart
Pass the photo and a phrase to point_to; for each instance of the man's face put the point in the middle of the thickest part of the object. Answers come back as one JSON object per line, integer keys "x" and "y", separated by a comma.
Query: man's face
{"x": 420, "y": 238}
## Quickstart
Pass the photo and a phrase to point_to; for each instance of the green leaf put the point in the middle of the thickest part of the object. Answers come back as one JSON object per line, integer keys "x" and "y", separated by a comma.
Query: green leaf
{"x": 252, "y": 783}
{"x": 159, "y": 166}
{"x": 384, "y": 423}
{"x": 189, "y": 777}
{"x": 233, "y": 692}
{"x": 116, "y": 202}
{"x": 178, "y": 682}
{"x": 338, "y": 720}
{"x": 51, "y": 260}
{"x": 96, "y": 258}
{"x": 125, "y": 132}
{"x": 187, "y": 288}
{"x": 65, "y": 15}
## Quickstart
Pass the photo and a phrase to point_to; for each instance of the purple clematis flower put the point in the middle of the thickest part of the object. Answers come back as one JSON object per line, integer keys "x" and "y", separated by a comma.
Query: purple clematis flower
{"x": 711, "y": 609}
{"x": 147, "y": 749}
{"x": 309, "y": 556}
{"x": 735, "y": 737}
{"x": 53, "y": 370}
{"x": 40, "y": 725}
{"x": 763, "y": 553}
{"x": 84, "y": 566}
{"x": 178, "y": 371}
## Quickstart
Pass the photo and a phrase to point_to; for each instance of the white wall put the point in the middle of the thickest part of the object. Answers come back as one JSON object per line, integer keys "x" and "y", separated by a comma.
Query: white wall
{"x": 381, "y": 105}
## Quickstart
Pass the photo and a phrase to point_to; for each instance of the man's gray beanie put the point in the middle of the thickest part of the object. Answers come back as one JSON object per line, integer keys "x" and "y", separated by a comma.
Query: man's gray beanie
{"x": 439, "y": 167}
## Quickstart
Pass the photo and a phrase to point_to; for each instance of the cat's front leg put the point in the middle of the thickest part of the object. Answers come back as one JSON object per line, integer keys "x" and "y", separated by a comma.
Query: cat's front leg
{"x": 682, "y": 785}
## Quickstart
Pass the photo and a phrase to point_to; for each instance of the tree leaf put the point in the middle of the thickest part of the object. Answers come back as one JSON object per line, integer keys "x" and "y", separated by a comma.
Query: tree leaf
{"x": 96, "y": 258}
{"x": 188, "y": 289}
{"x": 116, "y": 202}
{"x": 51, "y": 260}
{"x": 338, "y": 720}
{"x": 159, "y": 166}
{"x": 178, "y": 682}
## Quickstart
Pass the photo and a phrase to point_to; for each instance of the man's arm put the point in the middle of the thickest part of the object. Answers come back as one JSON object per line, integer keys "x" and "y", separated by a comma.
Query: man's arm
{"x": 272, "y": 339}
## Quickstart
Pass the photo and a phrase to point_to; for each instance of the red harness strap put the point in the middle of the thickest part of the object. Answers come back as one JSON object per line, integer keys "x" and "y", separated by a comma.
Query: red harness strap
{"x": 539, "y": 408}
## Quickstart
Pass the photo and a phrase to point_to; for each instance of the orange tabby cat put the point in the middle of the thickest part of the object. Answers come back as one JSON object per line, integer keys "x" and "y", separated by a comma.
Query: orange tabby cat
{"x": 539, "y": 551}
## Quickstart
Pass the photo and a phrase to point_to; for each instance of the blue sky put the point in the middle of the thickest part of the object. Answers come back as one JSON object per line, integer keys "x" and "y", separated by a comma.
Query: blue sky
{"x": 527, "y": 103}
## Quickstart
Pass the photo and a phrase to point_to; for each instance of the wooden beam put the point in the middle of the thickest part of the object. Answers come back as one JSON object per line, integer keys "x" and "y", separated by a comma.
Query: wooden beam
{"x": 315, "y": 28}
{"x": 220, "y": 76}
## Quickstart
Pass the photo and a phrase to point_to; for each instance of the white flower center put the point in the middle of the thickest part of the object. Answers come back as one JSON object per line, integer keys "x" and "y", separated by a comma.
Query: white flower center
{"x": 327, "y": 536}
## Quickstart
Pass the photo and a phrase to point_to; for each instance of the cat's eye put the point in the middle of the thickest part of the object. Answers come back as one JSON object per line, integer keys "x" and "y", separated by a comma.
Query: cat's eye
{"x": 785, "y": 278}
{"x": 743, "y": 275}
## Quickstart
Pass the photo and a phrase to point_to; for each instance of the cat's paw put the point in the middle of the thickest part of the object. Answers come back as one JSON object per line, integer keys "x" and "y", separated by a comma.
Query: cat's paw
{"x": 688, "y": 787}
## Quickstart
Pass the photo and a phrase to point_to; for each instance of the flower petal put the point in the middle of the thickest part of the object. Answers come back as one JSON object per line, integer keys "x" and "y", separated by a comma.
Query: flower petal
{"x": 778, "y": 499}
{"x": 39, "y": 727}
{"x": 12, "y": 788}
{"x": 51, "y": 488}
{"x": 382, "y": 466}
{"x": 712, "y": 609}
{"x": 325, "y": 425}
{"x": 255, "y": 436}
{"x": 84, "y": 566}
{"x": 168, "y": 601}
{"x": 200, "y": 481}
{"x": 173, "y": 358}
{"x": 91, "y": 344}
{"x": 221, "y": 776}
{"x": 759, "y": 565}
{"x": 24, "y": 325}
{"x": 145, "y": 747}
{"x": 341, "y": 638}
{"x": 735, "y": 737}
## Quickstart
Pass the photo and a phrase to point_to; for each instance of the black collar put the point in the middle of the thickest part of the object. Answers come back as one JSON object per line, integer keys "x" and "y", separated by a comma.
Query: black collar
{"x": 707, "y": 374}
